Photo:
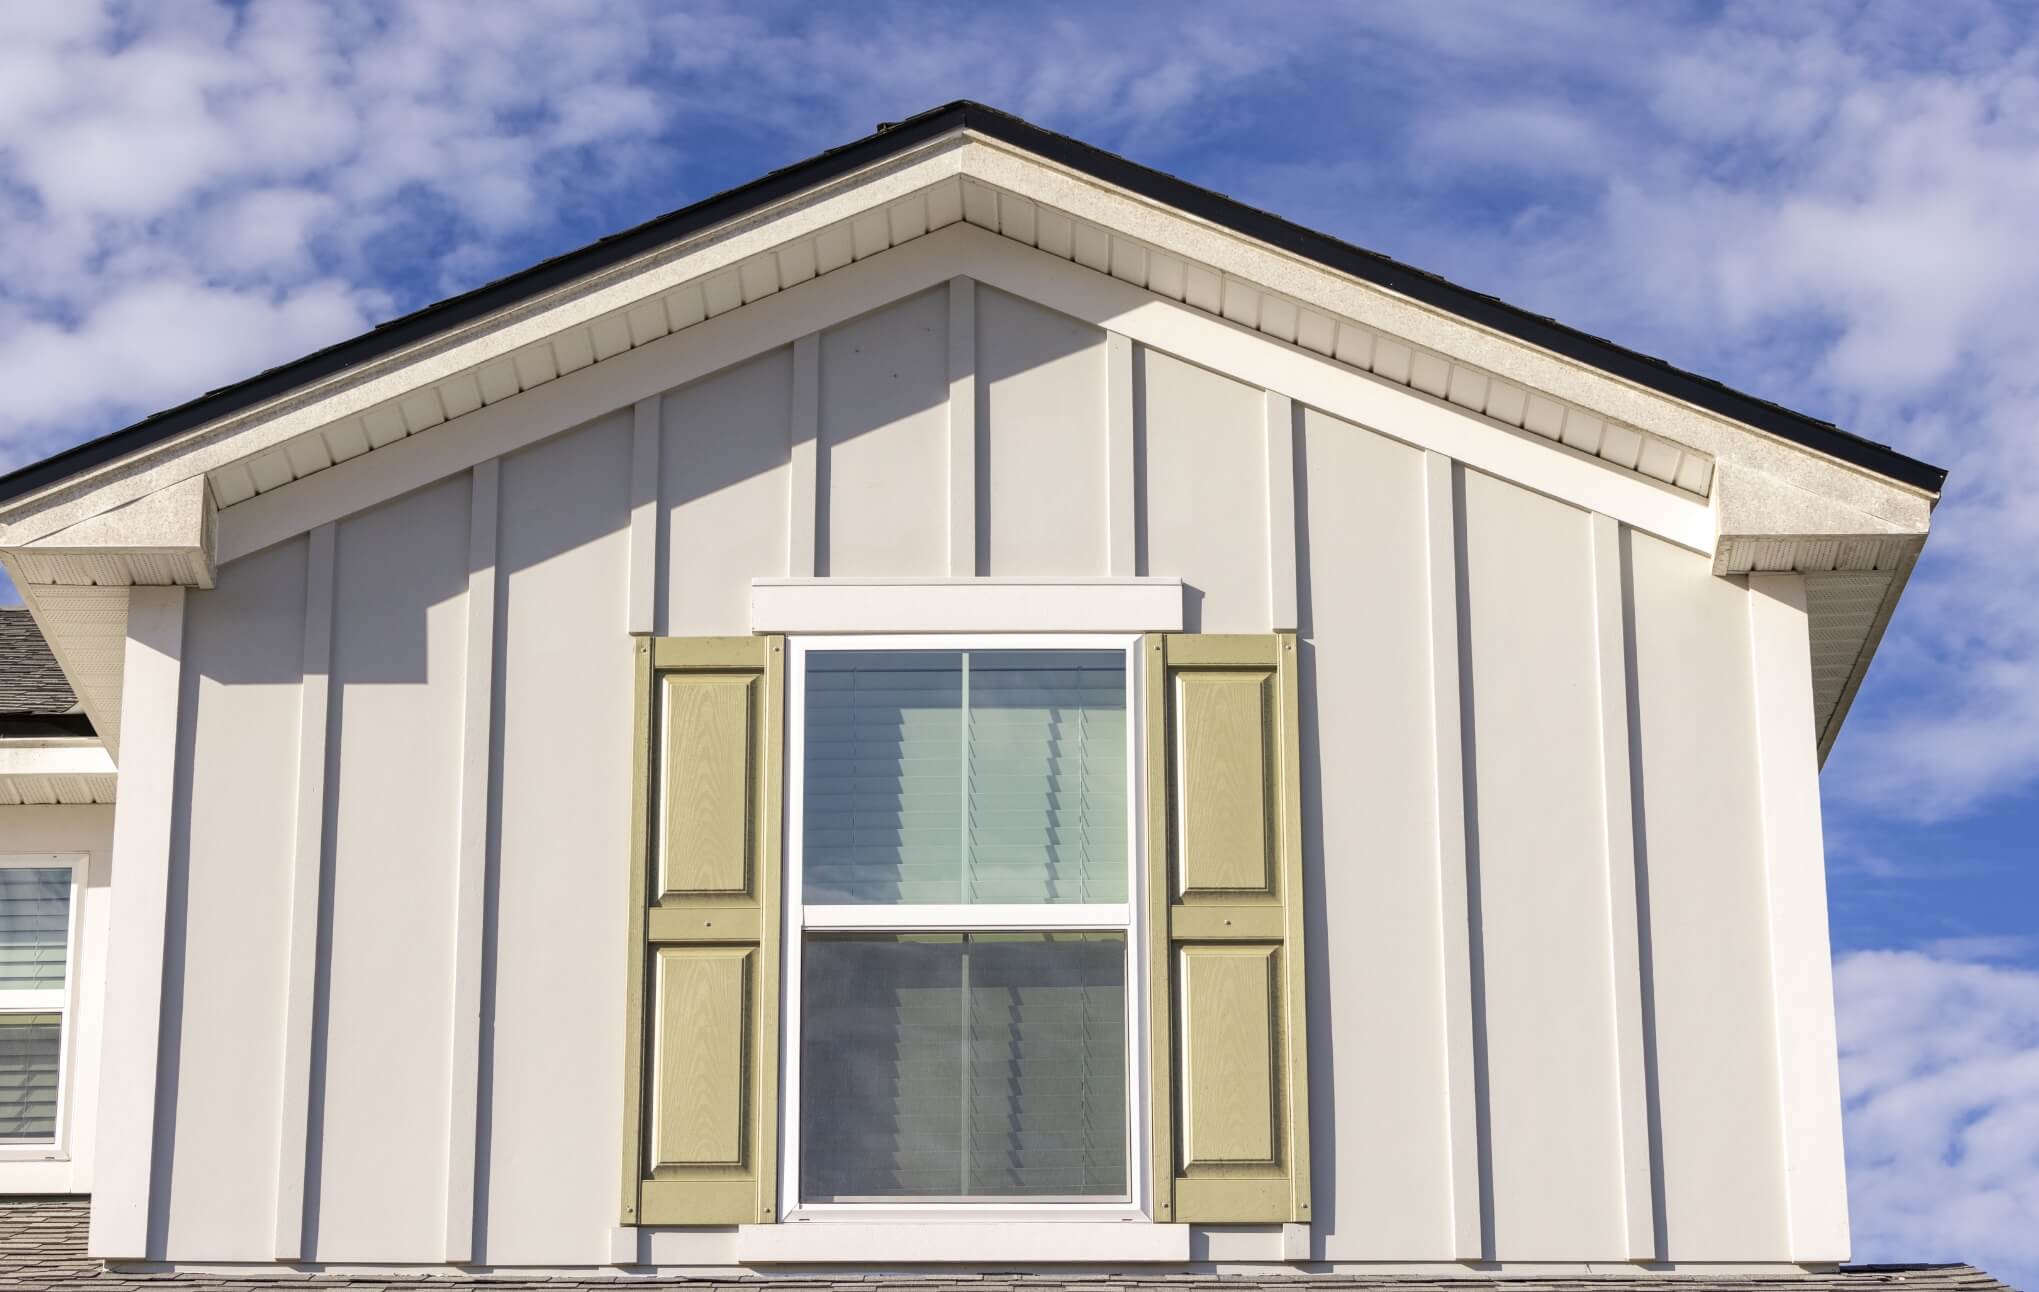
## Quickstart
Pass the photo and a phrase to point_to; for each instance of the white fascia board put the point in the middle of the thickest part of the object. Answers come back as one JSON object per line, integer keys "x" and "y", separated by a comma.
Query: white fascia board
{"x": 54, "y": 758}
{"x": 1765, "y": 523}
{"x": 251, "y": 430}
{"x": 927, "y": 262}
{"x": 171, "y": 519}
{"x": 248, "y": 432}
{"x": 962, "y": 605}
{"x": 1373, "y": 306}
{"x": 169, "y": 532}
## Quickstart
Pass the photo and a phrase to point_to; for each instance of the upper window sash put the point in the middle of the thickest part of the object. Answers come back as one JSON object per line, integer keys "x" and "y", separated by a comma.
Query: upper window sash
{"x": 961, "y": 915}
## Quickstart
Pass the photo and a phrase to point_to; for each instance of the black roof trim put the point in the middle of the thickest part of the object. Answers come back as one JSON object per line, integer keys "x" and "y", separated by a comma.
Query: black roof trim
{"x": 45, "y": 726}
{"x": 1476, "y": 307}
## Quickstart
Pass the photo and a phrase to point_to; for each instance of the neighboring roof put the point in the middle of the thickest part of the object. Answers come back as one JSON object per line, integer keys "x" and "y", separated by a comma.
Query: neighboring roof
{"x": 31, "y": 682}
{"x": 1476, "y": 307}
{"x": 42, "y": 1245}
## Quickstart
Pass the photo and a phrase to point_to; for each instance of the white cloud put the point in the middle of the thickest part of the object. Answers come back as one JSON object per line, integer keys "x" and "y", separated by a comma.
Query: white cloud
{"x": 1828, "y": 205}
{"x": 189, "y": 194}
{"x": 1940, "y": 1083}
{"x": 1888, "y": 210}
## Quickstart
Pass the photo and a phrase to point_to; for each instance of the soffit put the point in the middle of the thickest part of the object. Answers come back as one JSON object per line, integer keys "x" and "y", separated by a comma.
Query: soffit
{"x": 911, "y": 216}
{"x": 1134, "y": 189}
{"x": 50, "y": 791}
{"x": 956, "y": 178}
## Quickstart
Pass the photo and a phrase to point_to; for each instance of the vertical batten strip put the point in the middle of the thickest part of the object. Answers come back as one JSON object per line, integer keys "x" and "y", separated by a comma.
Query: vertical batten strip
{"x": 1122, "y": 490}
{"x": 962, "y": 428}
{"x": 1623, "y": 911}
{"x": 1448, "y": 764}
{"x": 802, "y": 478}
{"x": 1281, "y": 512}
{"x": 469, "y": 909}
{"x": 301, "y": 952}
{"x": 644, "y": 447}
{"x": 133, "y": 1019}
{"x": 1809, "y": 1089}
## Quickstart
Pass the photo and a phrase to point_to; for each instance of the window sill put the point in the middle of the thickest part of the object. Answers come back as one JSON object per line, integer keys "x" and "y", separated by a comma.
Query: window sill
{"x": 1044, "y": 1240}
{"x": 33, "y": 1153}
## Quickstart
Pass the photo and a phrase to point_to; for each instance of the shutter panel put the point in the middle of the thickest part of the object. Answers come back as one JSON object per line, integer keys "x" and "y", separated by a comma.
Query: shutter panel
{"x": 1231, "y": 1100}
{"x": 702, "y": 1073}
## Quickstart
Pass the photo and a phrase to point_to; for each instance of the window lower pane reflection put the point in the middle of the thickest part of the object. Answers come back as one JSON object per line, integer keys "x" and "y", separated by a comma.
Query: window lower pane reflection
{"x": 31, "y": 1047}
{"x": 952, "y": 1066}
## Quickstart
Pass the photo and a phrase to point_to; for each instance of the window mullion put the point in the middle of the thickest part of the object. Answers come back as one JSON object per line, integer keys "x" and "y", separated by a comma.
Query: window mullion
{"x": 973, "y": 918}
{"x": 963, "y": 784}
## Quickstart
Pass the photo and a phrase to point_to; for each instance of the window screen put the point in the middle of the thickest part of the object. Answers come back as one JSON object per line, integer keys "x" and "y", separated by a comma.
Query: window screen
{"x": 966, "y": 776}
{"x": 965, "y": 821}
{"x": 35, "y": 935}
{"x": 947, "y": 1066}
{"x": 31, "y": 1049}
{"x": 35, "y": 925}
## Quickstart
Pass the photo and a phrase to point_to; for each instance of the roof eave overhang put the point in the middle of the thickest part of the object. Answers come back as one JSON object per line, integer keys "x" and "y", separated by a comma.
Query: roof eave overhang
{"x": 136, "y": 507}
{"x": 48, "y": 771}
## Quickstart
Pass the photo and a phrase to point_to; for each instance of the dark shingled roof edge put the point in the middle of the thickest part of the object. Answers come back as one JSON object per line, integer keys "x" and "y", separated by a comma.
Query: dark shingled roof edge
{"x": 32, "y": 684}
{"x": 1476, "y": 307}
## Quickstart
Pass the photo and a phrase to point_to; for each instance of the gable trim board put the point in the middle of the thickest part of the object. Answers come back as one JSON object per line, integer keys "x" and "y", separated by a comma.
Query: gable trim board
{"x": 1197, "y": 275}
{"x": 796, "y": 315}
{"x": 1097, "y": 164}
{"x": 269, "y": 448}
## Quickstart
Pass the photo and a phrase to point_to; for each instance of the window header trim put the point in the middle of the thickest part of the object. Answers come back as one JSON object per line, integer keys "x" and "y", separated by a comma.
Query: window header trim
{"x": 989, "y": 605}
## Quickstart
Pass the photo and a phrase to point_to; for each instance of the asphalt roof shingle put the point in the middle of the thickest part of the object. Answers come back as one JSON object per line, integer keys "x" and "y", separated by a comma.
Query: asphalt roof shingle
{"x": 31, "y": 683}
{"x": 42, "y": 1245}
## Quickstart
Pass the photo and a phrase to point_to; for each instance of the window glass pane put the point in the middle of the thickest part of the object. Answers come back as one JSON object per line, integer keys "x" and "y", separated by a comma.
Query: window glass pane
{"x": 1047, "y": 776}
{"x": 35, "y": 917}
{"x": 906, "y": 801}
{"x": 30, "y": 1048}
{"x": 950, "y": 1066}
{"x": 883, "y": 810}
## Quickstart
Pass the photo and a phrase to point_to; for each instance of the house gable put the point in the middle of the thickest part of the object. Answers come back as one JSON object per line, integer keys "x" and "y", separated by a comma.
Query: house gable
{"x": 963, "y": 194}
{"x": 1543, "y": 796}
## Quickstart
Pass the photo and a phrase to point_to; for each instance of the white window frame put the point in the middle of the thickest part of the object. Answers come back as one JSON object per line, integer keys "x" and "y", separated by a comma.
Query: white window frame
{"x": 61, "y": 1001}
{"x": 1128, "y": 917}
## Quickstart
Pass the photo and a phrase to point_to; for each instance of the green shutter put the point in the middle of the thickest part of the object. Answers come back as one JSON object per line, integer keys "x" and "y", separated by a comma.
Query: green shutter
{"x": 701, "y": 1078}
{"x": 1231, "y": 1100}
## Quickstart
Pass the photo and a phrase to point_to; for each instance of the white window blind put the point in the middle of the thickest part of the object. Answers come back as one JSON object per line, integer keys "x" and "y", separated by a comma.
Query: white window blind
{"x": 955, "y": 1066}
{"x": 35, "y": 952}
{"x": 966, "y": 777}
{"x": 31, "y": 1053}
{"x": 35, "y": 926}
{"x": 964, "y": 851}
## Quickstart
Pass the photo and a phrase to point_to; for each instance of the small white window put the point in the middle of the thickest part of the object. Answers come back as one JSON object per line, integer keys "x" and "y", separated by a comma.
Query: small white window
{"x": 38, "y": 896}
{"x": 962, "y": 947}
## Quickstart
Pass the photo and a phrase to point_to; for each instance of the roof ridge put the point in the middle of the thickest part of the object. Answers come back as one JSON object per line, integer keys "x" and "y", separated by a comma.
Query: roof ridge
{"x": 1321, "y": 248}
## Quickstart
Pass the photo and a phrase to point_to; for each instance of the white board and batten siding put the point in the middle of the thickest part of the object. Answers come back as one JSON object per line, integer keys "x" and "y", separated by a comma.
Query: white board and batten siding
{"x": 1520, "y": 1052}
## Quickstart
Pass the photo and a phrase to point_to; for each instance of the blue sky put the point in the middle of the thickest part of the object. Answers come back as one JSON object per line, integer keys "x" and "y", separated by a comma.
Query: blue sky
{"x": 1830, "y": 204}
